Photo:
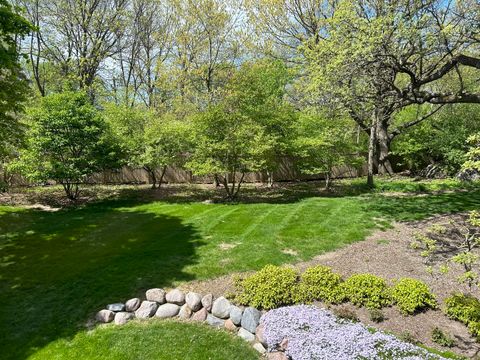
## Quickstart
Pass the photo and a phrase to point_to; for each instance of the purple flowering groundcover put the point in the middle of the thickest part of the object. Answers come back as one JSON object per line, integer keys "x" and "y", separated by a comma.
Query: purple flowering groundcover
{"x": 317, "y": 334}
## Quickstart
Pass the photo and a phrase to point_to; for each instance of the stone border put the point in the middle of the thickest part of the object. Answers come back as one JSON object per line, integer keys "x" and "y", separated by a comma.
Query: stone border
{"x": 219, "y": 313}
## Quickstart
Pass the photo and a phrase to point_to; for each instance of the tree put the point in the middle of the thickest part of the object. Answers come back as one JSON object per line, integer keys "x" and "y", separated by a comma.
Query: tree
{"x": 68, "y": 141}
{"x": 13, "y": 83}
{"x": 149, "y": 141}
{"x": 472, "y": 162}
{"x": 320, "y": 144}
{"x": 242, "y": 132}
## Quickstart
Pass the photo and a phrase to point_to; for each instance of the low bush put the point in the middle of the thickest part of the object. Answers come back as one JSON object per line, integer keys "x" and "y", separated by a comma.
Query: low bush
{"x": 367, "y": 290}
{"x": 466, "y": 309}
{"x": 376, "y": 315}
{"x": 268, "y": 288}
{"x": 412, "y": 295}
{"x": 321, "y": 283}
{"x": 345, "y": 314}
{"x": 442, "y": 339}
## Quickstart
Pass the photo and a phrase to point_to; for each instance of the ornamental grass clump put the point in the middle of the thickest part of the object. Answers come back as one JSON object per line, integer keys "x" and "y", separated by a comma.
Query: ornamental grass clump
{"x": 271, "y": 287}
{"x": 412, "y": 295}
{"x": 321, "y": 283}
{"x": 315, "y": 333}
{"x": 466, "y": 309}
{"x": 367, "y": 290}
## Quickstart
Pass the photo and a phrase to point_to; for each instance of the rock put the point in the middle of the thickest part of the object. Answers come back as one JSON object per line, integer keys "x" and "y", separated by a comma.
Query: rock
{"x": 260, "y": 334}
{"x": 277, "y": 355}
{"x": 175, "y": 296}
{"x": 230, "y": 326}
{"x": 116, "y": 307}
{"x": 185, "y": 312}
{"x": 132, "y": 304}
{"x": 157, "y": 295}
{"x": 207, "y": 302}
{"x": 194, "y": 301}
{"x": 123, "y": 317}
{"x": 236, "y": 315}
{"x": 283, "y": 344}
{"x": 146, "y": 309}
{"x": 215, "y": 321}
{"x": 166, "y": 311}
{"x": 200, "y": 315}
{"x": 221, "y": 308}
{"x": 246, "y": 335}
{"x": 250, "y": 319}
{"x": 105, "y": 316}
{"x": 260, "y": 348}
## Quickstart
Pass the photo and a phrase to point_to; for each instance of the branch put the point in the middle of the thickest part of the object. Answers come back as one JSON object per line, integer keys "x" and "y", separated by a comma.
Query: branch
{"x": 449, "y": 65}
{"x": 409, "y": 124}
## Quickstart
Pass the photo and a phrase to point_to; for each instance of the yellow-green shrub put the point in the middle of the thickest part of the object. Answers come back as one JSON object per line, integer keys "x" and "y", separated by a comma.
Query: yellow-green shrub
{"x": 412, "y": 295}
{"x": 465, "y": 308}
{"x": 321, "y": 283}
{"x": 367, "y": 290}
{"x": 269, "y": 288}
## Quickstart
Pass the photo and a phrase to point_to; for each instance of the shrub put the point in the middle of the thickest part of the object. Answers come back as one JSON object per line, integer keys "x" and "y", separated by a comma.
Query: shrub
{"x": 466, "y": 309}
{"x": 412, "y": 295}
{"x": 268, "y": 288}
{"x": 346, "y": 314}
{"x": 367, "y": 290}
{"x": 439, "y": 337}
{"x": 376, "y": 315}
{"x": 321, "y": 283}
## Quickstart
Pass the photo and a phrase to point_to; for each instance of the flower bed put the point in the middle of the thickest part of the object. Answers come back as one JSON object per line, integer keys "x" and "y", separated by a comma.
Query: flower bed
{"x": 307, "y": 332}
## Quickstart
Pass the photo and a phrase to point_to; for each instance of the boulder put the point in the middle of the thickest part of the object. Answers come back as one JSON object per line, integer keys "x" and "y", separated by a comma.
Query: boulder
{"x": 157, "y": 295}
{"x": 146, "y": 309}
{"x": 116, "y": 307}
{"x": 123, "y": 317}
{"x": 250, "y": 319}
{"x": 260, "y": 335}
{"x": 215, "y": 321}
{"x": 236, "y": 315}
{"x": 166, "y": 311}
{"x": 260, "y": 348}
{"x": 105, "y": 316}
{"x": 200, "y": 315}
{"x": 207, "y": 302}
{"x": 230, "y": 326}
{"x": 246, "y": 335}
{"x": 185, "y": 312}
{"x": 221, "y": 308}
{"x": 132, "y": 304}
{"x": 176, "y": 297}
{"x": 194, "y": 301}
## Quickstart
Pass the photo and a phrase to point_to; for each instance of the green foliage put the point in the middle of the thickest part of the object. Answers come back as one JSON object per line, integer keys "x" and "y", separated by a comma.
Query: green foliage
{"x": 466, "y": 309}
{"x": 412, "y": 295}
{"x": 321, "y": 283}
{"x": 68, "y": 141}
{"x": 243, "y": 132}
{"x": 268, "y": 288}
{"x": 321, "y": 143}
{"x": 367, "y": 290}
{"x": 13, "y": 83}
{"x": 473, "y": 155}
{"x": 442, "y": 339}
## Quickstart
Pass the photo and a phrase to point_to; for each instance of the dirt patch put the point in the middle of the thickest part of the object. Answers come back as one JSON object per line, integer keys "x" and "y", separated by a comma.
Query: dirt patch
{"x": 387, "y": 254}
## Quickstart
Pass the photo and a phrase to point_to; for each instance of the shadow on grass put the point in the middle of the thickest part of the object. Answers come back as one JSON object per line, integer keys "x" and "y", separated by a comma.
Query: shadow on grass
{"x": 58, "y": 267}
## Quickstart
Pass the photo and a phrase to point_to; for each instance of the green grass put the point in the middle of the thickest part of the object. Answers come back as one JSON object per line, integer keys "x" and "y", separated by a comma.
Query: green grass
{"x": 159, "y": 340}
{"x": 58, "y": 268}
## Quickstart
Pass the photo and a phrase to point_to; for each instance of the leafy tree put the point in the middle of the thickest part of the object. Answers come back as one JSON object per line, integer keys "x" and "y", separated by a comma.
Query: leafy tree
{"x": 68, "y": 141}
{"x": 150, "y": 141}
{"x": 473, "y": 155}
{"x": 13, "y": 84}
{"x": 246, "y": 130}
{"x": 321, "y": 144}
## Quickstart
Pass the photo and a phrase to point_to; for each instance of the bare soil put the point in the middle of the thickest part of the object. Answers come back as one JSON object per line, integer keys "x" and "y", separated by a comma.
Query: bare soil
{"x": 387, "y": 254}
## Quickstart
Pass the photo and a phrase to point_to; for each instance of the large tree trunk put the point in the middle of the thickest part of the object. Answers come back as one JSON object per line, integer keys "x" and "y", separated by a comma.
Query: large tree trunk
{"x": 383, "y": 148}
{"x": 371, "y": 152}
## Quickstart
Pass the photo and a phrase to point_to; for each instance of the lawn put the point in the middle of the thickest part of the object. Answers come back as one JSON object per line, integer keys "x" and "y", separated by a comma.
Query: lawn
{"x": 58, "y": 268}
